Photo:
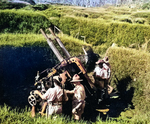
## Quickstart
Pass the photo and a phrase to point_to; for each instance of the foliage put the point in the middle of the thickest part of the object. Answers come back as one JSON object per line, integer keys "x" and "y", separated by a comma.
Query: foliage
{"x": 143, "y": 14}
{"x": 146, "y": 6}
{"x": 71, "y": 42}
{"x": 22, "y": 40}
{"x": 101, "y": 27}
{"x": 6, "y": 5}
{"x": 22, "y": 21}
{"x": 23, "y": 116}
{"x": 98, "y": 33}
{"x": 26, "y": 40}
{"x": 16, "y": 116}
{"x": 131, "y": 72}
{"x": 40, "y": 7}
{"x": 140, "y": 20}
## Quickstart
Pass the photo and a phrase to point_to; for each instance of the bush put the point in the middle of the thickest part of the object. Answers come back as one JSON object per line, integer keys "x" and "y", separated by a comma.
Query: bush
{"x": 131, "y": 69}
{"x": 7, "y": 5}
{"x": 146, "y": 6}
{"x": 40, "y": 7}
{"x": 139, "y": 20}
{"x": 100, "y": 32}
{"x": 141, "y": 14}
{"x": 129, "y": 20}
{"x": 22, "y": 21}
{"x": 68, "y": 24}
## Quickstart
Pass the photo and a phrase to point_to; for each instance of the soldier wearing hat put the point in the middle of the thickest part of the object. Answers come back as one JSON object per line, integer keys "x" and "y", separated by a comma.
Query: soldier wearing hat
{"x": 78, "y": 103}
{"x": 102, "y": 74}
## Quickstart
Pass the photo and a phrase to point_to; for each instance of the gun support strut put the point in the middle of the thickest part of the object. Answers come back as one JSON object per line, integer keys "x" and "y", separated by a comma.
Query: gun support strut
{"x": 60, "y": 44}
{"x": 54, "y": 49}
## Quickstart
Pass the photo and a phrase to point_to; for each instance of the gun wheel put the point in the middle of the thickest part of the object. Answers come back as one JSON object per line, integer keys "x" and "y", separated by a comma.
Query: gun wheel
{"x": 32, "y": 100}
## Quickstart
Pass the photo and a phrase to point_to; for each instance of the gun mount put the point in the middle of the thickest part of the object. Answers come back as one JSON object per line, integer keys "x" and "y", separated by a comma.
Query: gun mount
{"x": 96, "y": 98}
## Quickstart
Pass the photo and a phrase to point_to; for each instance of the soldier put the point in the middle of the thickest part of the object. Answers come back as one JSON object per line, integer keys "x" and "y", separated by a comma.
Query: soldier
{"x": 51, "y": 94}
{"x": 54, "y": 97}
{"x": 78, "y": 103}
{"x": 102, "y": 74}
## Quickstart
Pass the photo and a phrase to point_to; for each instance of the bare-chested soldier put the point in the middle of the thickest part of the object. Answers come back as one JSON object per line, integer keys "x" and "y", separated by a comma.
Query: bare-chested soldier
{"x": 78, "y": 103}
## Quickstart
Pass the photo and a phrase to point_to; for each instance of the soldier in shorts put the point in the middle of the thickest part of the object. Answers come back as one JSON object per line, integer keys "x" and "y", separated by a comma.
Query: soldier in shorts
{"x": 78, "y": 100}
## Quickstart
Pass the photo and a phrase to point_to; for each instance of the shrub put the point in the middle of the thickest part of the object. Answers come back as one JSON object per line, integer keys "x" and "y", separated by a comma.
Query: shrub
{"x": 131, "y": 68}
{"x": 68, "y": 24}
{"x": 99, "y": 32}
{"x": 129, "y": 20}
{"x": 139, "y": 20}
{"x": 21, "y": 21}
{"x": 141, "y": 14}
{"x": 40, "y": 7}
{"x": 6, "y": 5}
{"x": 146, "y": 6}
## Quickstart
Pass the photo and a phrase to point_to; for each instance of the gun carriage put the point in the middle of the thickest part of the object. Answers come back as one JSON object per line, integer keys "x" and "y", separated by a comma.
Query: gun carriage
{"x": 96, "y": 99}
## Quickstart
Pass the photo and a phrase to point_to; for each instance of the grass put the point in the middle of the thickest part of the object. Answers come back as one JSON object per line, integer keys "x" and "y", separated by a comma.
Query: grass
{"x": 28, "y": 40}
{"x": 100, "y": 26}
{"x": 132, "y": 71}
{"x": 21, "y": 40}
{"x": 108, "y": 14}
{"x": 23, "y": 116}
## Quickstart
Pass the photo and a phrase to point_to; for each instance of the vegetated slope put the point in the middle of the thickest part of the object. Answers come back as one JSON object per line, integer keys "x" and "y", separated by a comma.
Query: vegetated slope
{"x": 22, "y": 21}
{"x": 97, "y": 26}
{"x": 131, "y": 71}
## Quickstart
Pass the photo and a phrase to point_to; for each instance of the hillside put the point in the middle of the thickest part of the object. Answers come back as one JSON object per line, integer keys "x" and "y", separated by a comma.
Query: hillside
{"x": 101, "y": 27}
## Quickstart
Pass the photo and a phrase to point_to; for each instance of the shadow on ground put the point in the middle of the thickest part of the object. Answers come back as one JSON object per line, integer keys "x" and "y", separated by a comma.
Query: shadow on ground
{"x": 19, "y": 67}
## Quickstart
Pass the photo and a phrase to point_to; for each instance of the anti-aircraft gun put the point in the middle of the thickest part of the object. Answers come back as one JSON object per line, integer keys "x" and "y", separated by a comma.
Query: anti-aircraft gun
{"x": 95, "y": 98}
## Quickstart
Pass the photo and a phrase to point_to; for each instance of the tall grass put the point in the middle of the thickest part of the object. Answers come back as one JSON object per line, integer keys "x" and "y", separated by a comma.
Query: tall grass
{"x": 22, "y": 21}
{"x": 99, "y": 25}
{"x": 131, "y": 68}
{"x": 23, "y": 116}
{"x": 22, "y": 40}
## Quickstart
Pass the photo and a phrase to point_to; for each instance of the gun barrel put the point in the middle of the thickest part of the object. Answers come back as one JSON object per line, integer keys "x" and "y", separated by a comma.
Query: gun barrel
{"x": 60, "y": 44}
{"x": 52, "y": 46}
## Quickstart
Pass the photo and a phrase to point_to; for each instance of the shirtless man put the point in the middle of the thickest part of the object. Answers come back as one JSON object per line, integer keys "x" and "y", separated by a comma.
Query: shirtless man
{"x": 78, "y": 103}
